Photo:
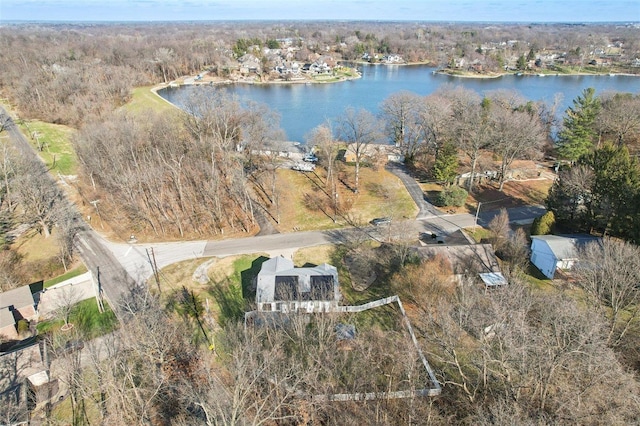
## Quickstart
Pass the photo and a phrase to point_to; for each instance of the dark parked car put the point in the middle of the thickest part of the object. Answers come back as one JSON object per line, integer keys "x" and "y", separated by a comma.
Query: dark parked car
{"x": 381, "y": 221}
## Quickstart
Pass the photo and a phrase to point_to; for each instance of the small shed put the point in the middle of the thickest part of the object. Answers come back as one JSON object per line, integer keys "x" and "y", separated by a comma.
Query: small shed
{"x": 41, "y": 389}
{"x": 552, "y": 252}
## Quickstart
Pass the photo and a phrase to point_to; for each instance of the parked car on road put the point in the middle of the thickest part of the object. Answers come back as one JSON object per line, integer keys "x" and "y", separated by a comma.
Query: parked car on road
{"x": 381, "y": 221}
{"x": 310, "y": 158}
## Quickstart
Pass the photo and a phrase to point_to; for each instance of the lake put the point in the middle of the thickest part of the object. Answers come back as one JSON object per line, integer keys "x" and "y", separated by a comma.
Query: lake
{"x": 304, "y": 106}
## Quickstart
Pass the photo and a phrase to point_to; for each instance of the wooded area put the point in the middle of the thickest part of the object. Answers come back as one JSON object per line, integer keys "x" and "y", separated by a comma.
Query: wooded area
{"x": 514, "y": 355}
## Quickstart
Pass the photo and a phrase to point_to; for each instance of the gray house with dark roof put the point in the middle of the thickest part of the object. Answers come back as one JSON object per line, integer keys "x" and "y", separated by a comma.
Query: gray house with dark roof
{"x": 15, "y": 305}
{"x": 281, "y": 287}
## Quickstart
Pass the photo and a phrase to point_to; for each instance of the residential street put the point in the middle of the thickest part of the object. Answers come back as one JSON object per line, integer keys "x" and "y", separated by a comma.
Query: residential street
{"x": 136, "y": 258}
{"x": 113, "y": 278}
{"x": 120, "y": 266}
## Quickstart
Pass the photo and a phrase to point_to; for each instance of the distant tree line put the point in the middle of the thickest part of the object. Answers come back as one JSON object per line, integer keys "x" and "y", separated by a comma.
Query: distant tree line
{"x": 88, "y": 69}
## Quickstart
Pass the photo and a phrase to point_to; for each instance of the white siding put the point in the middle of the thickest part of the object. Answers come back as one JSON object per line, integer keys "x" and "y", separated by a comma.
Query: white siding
{"x": 543, "y": 258}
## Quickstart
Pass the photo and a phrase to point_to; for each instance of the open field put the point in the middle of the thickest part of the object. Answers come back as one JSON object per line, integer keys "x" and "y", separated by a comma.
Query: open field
{"x": 52, "y": 142}
{"x": 143, "y": 99}
{"x": 381, "y": 194}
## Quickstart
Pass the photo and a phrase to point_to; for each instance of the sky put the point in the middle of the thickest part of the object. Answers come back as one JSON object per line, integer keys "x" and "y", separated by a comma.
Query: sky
{"x": 382, "y": 10}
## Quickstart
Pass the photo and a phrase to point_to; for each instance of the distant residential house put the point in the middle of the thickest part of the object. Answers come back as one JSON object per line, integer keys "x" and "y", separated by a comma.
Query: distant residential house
{"x": 249, "y": 64}
{"x": 467, "y": 260}
{"x": 374, "y": 153}
{"x": 281, "y": 287}
{"x": 286, "y": 149}
{"x": 15, "y": 305}
{"x": 552, "y": 252}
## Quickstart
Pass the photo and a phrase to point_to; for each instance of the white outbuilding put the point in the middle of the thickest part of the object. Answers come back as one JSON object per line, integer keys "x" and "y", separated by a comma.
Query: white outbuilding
{"x": 552, "y": 252}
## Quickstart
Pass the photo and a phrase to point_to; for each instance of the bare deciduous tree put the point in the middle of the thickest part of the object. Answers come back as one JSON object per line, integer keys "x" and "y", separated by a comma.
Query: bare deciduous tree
{"x": 398, "y": 113}
{"x": 359, "y": 128}
{"x": 39, "y": 197}
{"x": 516, "y": 134}
{"x": 609, "y": 273}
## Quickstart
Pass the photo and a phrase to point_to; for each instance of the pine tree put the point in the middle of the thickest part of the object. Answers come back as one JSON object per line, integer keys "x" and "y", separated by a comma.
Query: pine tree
{"x": 579, "y": 134}
{"x": 445, "y": 167}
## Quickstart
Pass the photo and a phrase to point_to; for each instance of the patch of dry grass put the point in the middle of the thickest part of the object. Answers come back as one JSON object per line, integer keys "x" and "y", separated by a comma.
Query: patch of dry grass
{"x": 313, "y": 255}
{"x": 143, "y": 99}
{"x": 381, "y": 194}
{"x": 34, "y": 247}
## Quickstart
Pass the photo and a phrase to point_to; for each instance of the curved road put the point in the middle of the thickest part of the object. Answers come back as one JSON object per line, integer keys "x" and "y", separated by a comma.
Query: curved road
{"x": 122, "y": 266}
{"x": 114, "y": 280}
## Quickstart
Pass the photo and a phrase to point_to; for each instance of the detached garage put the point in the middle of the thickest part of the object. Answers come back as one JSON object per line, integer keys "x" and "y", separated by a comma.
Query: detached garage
{"x": 551, "y": 252}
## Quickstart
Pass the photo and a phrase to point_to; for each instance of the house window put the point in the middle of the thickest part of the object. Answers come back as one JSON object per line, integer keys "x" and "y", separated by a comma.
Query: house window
{"x": 321, "y": 287}
{"x": 286, "y": 287}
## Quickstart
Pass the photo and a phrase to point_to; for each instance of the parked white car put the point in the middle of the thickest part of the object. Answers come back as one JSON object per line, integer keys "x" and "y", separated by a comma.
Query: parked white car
{"x": 304, "y": 167}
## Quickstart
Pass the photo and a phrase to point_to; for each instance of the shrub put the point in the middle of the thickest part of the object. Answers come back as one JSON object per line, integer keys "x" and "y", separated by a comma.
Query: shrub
{"x": 451, "y": 196}
{"x": 544, "y": 224}
{"x": 23, "y": 326}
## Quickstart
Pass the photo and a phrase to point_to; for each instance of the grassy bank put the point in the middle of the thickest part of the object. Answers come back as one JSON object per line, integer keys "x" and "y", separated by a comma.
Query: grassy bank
{"x": 52, "y": 142}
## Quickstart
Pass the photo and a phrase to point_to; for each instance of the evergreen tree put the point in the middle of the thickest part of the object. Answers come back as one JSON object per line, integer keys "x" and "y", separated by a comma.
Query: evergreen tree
{"x": 616, "y": 185}
{"x": 601, "y": 193}
{"x": 579, "y": 134}
{"x": 445, "y": 167}
{"x": 531, "y": 56}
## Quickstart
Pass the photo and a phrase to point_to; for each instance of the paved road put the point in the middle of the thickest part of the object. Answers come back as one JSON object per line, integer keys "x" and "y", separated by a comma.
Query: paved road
{"x": 120, "y": 266}
{"x": 114, "y": 279}
{"x": 137, "y": 258}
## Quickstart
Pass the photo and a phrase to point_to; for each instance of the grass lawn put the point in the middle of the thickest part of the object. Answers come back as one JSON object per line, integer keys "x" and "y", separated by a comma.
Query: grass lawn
{"x": 81, "y": 269}
{"x": 143, "y": 99}
{"x": 33, "y": 246}
{"x": 55, "y": 141}
{"x": 313, "y": 255}
{"x": 229, "y": 286}
{"x": 478, "y": 234}
{"x": 381, "y": 194}
{"x": 86, "y": 318}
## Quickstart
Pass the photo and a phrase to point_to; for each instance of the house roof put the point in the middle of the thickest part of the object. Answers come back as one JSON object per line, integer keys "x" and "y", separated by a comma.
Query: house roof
{"x": 18, "y": 298}
{"x": 479, "y": 258}
{"x": 6, "y": 318}
{"x": 565, "y": 246}
{"x": 276, "y": 264}
{"x": 493, "y": 279}
{"x": 281, "y": 266}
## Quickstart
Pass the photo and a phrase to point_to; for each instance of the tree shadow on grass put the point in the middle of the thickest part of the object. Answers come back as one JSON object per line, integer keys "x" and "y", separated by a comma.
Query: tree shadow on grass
{"x": 229, "y": 298}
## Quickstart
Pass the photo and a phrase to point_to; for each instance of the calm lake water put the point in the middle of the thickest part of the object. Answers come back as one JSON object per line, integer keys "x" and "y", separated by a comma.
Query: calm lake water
{"x": 304, "y": 106}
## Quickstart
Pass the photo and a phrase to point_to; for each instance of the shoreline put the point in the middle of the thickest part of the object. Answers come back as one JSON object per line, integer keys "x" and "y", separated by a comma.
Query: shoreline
{"x": 215, "y": 81}
{"x": 530, "y": 74}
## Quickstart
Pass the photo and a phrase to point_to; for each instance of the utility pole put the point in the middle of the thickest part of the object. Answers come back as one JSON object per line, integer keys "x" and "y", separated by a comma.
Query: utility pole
{"x": 94, "y": 203}
{"x": 475, "y": 220}
{"x": 154, "y": 267}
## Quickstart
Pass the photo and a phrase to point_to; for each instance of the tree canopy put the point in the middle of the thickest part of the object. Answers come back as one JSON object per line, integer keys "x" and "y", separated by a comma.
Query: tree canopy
{"x": 579, "y": 135}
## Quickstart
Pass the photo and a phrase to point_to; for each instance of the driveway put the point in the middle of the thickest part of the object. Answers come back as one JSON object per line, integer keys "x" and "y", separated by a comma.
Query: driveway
{"x": 426, "y": 208}
{"x": 68, "y": 292}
